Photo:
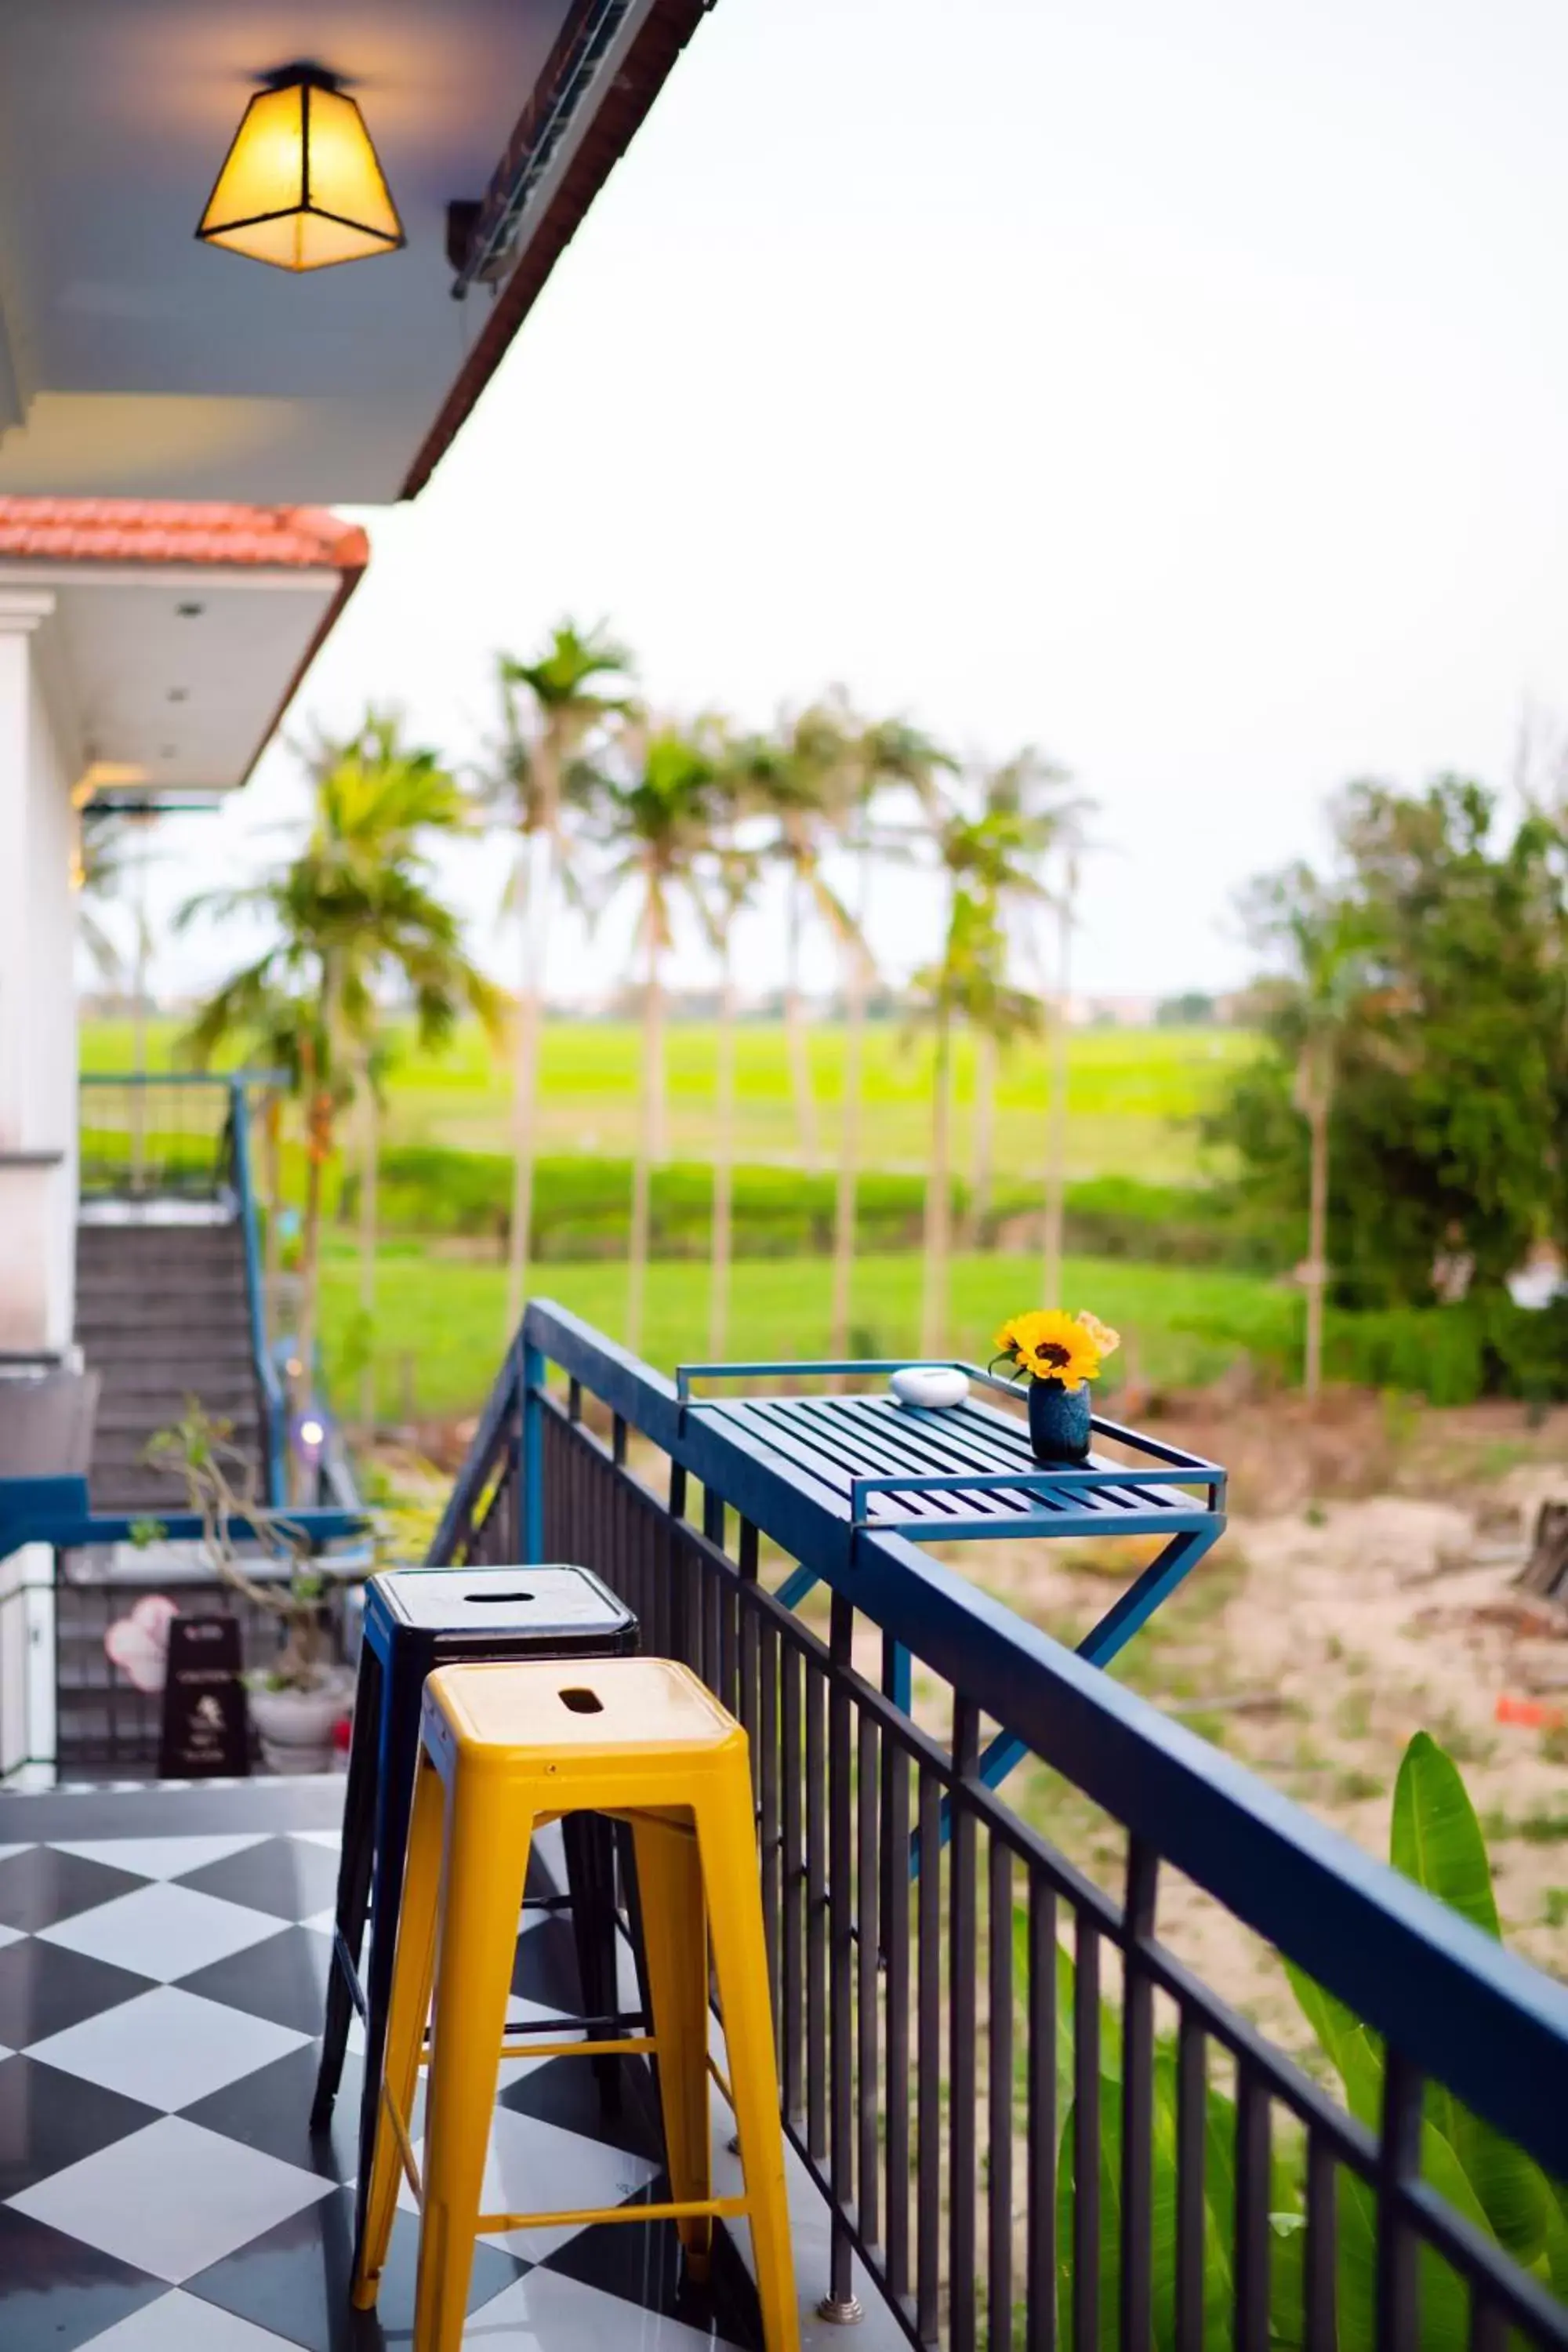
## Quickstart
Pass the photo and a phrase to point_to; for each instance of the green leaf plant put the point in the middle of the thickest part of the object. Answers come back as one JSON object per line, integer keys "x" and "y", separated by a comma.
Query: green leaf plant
{"x": 1435, "y": 1839}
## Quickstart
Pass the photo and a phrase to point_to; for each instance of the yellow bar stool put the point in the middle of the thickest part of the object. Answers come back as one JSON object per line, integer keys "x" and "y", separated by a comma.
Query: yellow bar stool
{"x": 505, "y": 1749}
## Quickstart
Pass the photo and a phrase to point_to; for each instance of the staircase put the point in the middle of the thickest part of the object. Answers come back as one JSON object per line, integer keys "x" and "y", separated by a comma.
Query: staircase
{"x": 161, "y": 1315}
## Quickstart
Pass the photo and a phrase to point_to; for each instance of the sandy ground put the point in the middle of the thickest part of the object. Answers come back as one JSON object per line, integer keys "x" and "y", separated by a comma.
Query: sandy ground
{"x": 1319, "y": 1636}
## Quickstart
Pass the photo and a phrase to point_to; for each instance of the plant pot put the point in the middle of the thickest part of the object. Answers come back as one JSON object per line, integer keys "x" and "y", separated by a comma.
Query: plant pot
{"x": 295, "y": 1726}
{"x": 1058, "y": 1421}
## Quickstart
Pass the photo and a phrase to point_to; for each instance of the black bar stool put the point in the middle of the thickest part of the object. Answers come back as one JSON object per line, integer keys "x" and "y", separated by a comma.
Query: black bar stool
{"x": 417, "y": 1620}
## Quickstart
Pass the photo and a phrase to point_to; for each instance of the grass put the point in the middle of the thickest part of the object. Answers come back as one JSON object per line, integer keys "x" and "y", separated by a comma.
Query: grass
{"x": 1133, "y": 1095}
{"x": 440, "y": 1320}
{"x": 1538, "y": 1827}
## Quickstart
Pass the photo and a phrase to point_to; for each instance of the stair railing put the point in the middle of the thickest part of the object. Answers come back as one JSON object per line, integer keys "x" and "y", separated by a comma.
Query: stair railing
{"x": 236, "y": 1174}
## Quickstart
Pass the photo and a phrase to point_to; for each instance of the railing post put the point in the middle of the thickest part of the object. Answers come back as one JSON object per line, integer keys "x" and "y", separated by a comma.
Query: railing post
{"x": 840, "y": 2304}
{"x": 531, "y": 1468}
{"x": 237, "y": 1131}
{"x": 1398, "y": 2167}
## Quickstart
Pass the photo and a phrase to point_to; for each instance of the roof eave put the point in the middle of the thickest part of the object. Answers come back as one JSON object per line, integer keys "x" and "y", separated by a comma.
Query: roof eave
{"x": 349, "y": 578}
{"x": 614, "y": 122}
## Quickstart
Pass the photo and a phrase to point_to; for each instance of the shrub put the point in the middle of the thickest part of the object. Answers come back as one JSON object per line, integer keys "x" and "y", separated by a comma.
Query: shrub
{"x": 581, "y": 1210}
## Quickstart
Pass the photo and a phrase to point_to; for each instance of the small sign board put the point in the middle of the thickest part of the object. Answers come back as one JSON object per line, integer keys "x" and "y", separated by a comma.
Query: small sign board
{"x": 206, "y": 1729}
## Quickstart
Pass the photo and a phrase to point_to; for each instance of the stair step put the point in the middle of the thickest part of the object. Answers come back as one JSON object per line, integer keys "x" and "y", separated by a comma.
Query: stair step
{"x": 155, "y": 1283}
{"x": 128, "y": 1339}
{"x": 125, "y": 1377}
{"x": 139, "y": 1416}
{"x": 163, "y": 1322}
{"x": 125, "y": 1245}
{"x": 220, "y": 1384}
{"x": 163, "y": 1301}
{"x": 125, "y": 1440}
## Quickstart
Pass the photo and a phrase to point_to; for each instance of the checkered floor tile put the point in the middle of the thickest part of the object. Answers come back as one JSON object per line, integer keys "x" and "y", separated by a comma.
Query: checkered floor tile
{"x": 160, "y": 2190}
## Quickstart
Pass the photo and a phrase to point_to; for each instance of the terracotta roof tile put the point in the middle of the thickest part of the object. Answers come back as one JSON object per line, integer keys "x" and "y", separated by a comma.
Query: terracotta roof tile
{"x": 178, "y": 531}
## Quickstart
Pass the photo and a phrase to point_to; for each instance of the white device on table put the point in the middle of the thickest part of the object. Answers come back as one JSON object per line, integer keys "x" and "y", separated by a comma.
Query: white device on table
{"x": 929, "y": 1384}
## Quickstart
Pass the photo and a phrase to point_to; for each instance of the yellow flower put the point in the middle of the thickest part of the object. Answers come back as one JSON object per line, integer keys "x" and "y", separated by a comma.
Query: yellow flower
{"x": 1050, "y": 1345}
{"x": 1104, "y": 1338}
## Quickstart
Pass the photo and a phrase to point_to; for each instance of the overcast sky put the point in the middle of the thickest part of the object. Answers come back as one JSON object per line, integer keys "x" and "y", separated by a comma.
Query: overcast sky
{"x": 1184, "y": 390}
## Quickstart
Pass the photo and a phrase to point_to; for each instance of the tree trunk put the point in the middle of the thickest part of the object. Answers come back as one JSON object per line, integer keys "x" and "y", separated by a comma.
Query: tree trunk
{"x": 723, "y": 1168}
{"x": 984, "y": 1143}
{"x": 938, "y": 1205}
{"x": 369, "y": 1205}
{"x": 845, "y": 1199}
{"x": 1316, "y": 1271}
{"x": 653, "y": 1042}
{"x": 1057, "y": 1113}
{"x": 795, "y": 1036}
{"x": 652, "y": 1070}
{"x": 533, "y": 905}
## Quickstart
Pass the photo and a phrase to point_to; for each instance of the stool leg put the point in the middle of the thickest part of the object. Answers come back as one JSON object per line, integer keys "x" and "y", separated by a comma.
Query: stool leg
{"x": 409, "y": 2007}
{"x": 675, "y": 1945}
{"x": 589, "y": 1841}
{"x": 488, "y": 1838}
{"x": 727, "y": 1837}
{"x": 397, "y": 1763}
{"x": 353, "y": 1883}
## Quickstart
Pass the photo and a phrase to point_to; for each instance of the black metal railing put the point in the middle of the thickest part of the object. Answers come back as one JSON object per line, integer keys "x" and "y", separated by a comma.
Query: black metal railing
{"x": 1032, "y": 2123}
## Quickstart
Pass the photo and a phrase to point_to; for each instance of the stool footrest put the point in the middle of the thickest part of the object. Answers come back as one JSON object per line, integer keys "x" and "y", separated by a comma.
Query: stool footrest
{"x": 715, "y": 2207}
{"x": 345, "y": 1961}
{"x": 637, "y": 2044}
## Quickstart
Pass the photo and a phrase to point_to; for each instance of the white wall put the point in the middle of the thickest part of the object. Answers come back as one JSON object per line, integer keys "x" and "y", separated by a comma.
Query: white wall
{"x": 38, "y": 1008}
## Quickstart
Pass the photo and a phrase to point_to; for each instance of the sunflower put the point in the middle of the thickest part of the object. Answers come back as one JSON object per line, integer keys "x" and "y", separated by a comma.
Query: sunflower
{"x": 1050, "y": 1345}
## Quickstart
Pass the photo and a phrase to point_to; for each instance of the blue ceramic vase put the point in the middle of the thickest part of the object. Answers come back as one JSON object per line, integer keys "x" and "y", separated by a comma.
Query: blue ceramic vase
{"x": 1058, "y": 1421}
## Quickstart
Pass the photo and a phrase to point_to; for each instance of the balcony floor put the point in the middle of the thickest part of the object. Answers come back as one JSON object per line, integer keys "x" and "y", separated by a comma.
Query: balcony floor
{"x": 162, "y": 1956}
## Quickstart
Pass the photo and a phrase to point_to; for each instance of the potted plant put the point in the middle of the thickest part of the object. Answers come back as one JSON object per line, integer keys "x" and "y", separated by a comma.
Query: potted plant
{"x": 1057, "y": 1355}
{"x": 298, "y": 1701}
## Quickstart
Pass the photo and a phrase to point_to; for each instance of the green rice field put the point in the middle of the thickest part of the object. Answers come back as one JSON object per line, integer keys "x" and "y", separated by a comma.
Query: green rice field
{"x": 1132, "y": 1094}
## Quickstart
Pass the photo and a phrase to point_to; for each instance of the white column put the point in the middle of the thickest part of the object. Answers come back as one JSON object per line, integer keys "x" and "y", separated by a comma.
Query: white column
{"x": 38, "y": 1008}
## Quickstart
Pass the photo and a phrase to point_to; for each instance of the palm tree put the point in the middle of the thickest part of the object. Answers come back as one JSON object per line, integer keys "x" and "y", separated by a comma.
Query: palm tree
{"x": 886, "y": 757}
{"x": 804, "y": 774}
{"x": 969, "y": 983}
{"x": 102, "y": 864}
{"x": 655, "y": 819}
{"x": 988, "y": 862}
{"x": 731, "y": 885}
{"x": 1329, "y": 951}
{"x": 377, "y": 800}
{"x": 347, "y": 919}
{"x": 551, "y": 709}
{"x": 1020, "y": 802}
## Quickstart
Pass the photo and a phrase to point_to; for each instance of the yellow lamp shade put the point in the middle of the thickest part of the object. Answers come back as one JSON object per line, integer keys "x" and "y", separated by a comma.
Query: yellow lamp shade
{"x": 301, "y": 186}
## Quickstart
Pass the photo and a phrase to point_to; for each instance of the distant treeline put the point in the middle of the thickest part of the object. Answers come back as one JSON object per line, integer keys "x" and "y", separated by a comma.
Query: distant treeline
{"x": 581, "y": 1209}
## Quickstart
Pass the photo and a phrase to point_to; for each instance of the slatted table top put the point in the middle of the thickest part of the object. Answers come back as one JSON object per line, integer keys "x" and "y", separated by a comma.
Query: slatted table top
{"x": 962, "y": 1472}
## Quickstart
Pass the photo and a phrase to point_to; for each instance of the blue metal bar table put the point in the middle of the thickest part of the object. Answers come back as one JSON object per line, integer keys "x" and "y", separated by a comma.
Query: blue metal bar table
{"x": 966, "y": 1474}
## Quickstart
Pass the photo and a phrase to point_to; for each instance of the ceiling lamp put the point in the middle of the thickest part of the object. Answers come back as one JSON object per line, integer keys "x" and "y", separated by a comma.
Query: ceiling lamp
{"x": 301, "y": 186}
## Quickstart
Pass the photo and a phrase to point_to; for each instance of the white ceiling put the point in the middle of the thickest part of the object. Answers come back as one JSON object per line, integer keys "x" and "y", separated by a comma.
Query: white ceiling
{"x": 134, "y": 361}
{"x": 186, "y": 695}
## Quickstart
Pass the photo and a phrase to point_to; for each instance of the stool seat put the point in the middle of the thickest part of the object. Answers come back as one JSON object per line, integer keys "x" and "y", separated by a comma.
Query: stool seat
{"x": 504, "y": 1748}
{"x": 540, "y": 1603}
{"x": 525, "y": 1713}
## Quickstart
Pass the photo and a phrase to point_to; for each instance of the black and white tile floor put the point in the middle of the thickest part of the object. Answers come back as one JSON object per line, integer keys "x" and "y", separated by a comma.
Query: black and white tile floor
{"x": 159, "y": 2189}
